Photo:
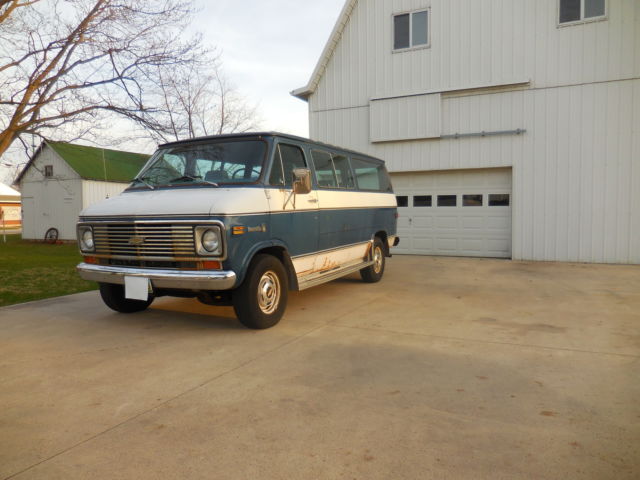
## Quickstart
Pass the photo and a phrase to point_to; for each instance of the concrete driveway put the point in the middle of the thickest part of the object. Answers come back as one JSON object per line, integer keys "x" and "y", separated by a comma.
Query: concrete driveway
{"x": 448, "y": 369}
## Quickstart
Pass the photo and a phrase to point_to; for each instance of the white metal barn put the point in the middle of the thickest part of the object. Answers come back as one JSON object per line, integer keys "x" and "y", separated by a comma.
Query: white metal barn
{"x": 61, "y": 179}
{"x": 511, "y": 128}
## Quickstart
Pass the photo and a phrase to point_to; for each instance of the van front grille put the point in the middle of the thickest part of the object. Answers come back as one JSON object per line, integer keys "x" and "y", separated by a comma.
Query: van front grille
{"x": 141, "y": 240}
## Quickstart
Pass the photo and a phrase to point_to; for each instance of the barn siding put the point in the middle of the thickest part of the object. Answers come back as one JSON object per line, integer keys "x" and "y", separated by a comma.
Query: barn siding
{"x": 406, "y": 118}
{"x": 576, "y": 173}
{"x": 56, "y": 202}
{"x": 477, "y": 42}
{"x": 94, "y": 192}
{"x": 51, "y": 204}
{"x": 61, "y": 170}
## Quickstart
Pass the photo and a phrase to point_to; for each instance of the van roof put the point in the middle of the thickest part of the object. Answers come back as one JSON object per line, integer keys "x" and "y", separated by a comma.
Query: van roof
{"x": 267, "y": 134}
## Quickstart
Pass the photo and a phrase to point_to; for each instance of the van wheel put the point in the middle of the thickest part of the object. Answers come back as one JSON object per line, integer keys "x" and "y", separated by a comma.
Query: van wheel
{"x": 260, "y": 301}
{"x": 373, "y": 273}
{"x": 113, "y": 297}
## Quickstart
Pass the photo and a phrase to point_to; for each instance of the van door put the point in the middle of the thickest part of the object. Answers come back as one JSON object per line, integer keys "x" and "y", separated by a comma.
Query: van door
{"x": 294, "y": 217}
{"x": 345, "y": 226}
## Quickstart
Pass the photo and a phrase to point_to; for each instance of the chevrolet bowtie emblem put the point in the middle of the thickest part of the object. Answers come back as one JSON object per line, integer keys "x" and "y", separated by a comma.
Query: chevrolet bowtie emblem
{"x": 136, "y": 241}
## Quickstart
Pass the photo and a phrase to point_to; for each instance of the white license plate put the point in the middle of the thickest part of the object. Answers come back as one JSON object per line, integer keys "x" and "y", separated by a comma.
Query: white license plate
{"x": 137, "y": 288}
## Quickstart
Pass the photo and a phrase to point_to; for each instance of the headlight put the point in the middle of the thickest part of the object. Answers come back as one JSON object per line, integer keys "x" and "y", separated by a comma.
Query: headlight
{"x": 86, "y": 239}
{"x": 209, "y": 241}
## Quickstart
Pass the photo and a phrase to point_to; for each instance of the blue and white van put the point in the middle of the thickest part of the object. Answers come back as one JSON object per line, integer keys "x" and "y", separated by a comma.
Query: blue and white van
{"x": 240, "y": 220}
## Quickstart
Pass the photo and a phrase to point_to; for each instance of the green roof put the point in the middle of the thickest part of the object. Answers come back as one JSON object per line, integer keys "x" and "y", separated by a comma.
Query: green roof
{"x": 100, "y": 164}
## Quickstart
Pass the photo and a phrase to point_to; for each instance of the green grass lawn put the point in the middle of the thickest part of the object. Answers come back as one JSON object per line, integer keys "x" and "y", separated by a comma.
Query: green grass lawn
{"x": 33, "y": 271}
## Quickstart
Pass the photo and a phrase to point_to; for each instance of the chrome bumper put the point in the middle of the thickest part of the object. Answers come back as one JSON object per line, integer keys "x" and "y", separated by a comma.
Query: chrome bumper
{"x": 173, "y": 279}
{"x": 394, "y": 241}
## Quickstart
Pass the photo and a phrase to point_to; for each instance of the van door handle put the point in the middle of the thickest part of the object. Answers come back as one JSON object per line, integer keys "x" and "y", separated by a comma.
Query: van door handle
{"x": 313, "y": 200}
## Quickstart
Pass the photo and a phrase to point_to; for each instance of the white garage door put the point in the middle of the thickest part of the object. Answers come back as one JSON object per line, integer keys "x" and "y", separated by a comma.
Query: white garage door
{"x": 457, "y": 213}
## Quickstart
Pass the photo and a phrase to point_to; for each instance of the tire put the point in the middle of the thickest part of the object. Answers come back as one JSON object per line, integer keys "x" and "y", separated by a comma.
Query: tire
{"x": 261, "y": 300}
{"x": 51, "y": 235}
{"x": 373, "y": 273}
{"x": 113, "y": 297}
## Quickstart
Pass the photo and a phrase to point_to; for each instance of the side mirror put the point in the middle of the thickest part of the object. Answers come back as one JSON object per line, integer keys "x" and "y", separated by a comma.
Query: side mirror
{"x": 301, "y": 181}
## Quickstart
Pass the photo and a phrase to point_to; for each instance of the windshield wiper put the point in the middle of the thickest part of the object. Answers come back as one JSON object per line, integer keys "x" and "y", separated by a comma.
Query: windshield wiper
{"x": 144, "y": 180}
{"x": 195, "y": 179}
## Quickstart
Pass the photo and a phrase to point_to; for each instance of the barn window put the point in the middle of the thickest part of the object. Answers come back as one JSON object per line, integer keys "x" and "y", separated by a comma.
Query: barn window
{"x": 411, "y": 30}
{"x": 572, "y": 11}
{"x": 48, "y": 171}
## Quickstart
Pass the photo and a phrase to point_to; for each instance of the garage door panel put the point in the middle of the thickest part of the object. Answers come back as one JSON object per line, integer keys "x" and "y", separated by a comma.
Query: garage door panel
{"x": 497, "y": 246}
{"x": 499, "y": 223}
{"x": 447, "y": 244}
{"x": 424, "y": 244}
{"x": 403, "y": 222}
{"x": 472, "y": 223}
{"x": 447, "y": 223}
{"x": 473, "y": 227}
{"x": 422, "y": 222}
{"x": 472, "y": 245}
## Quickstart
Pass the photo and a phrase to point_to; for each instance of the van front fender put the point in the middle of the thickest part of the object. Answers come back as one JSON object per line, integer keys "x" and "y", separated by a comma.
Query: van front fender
{"x": 272, "y": 247}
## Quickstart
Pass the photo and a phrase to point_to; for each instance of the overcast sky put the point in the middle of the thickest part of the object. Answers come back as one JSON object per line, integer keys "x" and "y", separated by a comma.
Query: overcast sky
{"x": 270, "y": 47}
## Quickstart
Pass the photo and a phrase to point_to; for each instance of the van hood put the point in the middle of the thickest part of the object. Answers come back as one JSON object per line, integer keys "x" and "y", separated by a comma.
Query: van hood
{"x": 181, "y": 201}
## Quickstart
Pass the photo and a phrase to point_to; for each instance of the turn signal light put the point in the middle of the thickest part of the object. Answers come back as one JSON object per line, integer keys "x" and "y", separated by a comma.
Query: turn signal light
{"x": 210, "y": 265}
{"x": 91, "y": 260}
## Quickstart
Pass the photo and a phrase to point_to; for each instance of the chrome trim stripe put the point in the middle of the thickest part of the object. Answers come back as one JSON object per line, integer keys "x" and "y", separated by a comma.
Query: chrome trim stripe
{"x": 305, "y": 283}
{"x": 133, "y": 219}
{"x": 174, "y": 279}
{"x": 341, "y": 247}
{"x": 207, "y": 218}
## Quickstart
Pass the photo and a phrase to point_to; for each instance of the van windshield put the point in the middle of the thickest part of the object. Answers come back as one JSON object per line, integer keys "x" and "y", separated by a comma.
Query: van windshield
{"x": 219, "y": 163}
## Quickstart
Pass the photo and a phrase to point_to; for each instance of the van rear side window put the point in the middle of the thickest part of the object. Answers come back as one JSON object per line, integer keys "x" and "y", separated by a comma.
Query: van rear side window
{"x": 325, "y": 173}
{"x": 343, "y": 171}
{"x": 371, "y": 175}
{"x": 332, "y": 170}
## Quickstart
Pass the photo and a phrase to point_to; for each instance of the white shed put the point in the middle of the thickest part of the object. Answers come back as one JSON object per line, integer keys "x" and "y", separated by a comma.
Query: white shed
{"x": 61, "y": 179}
{"x": 511, "y": 128}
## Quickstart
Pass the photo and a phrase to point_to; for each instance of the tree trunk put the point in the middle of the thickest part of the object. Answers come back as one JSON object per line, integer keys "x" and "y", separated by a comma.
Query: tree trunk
{"x": 6, "y": 139}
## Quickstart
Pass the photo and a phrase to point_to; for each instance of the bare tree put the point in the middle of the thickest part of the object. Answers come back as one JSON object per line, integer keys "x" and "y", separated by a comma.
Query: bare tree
{"x": 8, "y": 6}
{"x": 73, "y": 62}
{"x": 196, "y": 100}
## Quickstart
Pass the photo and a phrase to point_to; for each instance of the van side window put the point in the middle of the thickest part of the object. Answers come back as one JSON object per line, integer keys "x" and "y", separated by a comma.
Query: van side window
{"x": 371, "y": 175}
{"x": 343, "y": 171}
{"x": 325, "y": 173}
{"x": 332, "y": 170}
{"x": 286, "y": 159}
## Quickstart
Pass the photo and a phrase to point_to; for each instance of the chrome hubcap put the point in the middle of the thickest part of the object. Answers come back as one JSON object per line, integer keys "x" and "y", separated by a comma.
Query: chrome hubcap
{"x": 377, "y": 259}
{"x": 269, "y": 293}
